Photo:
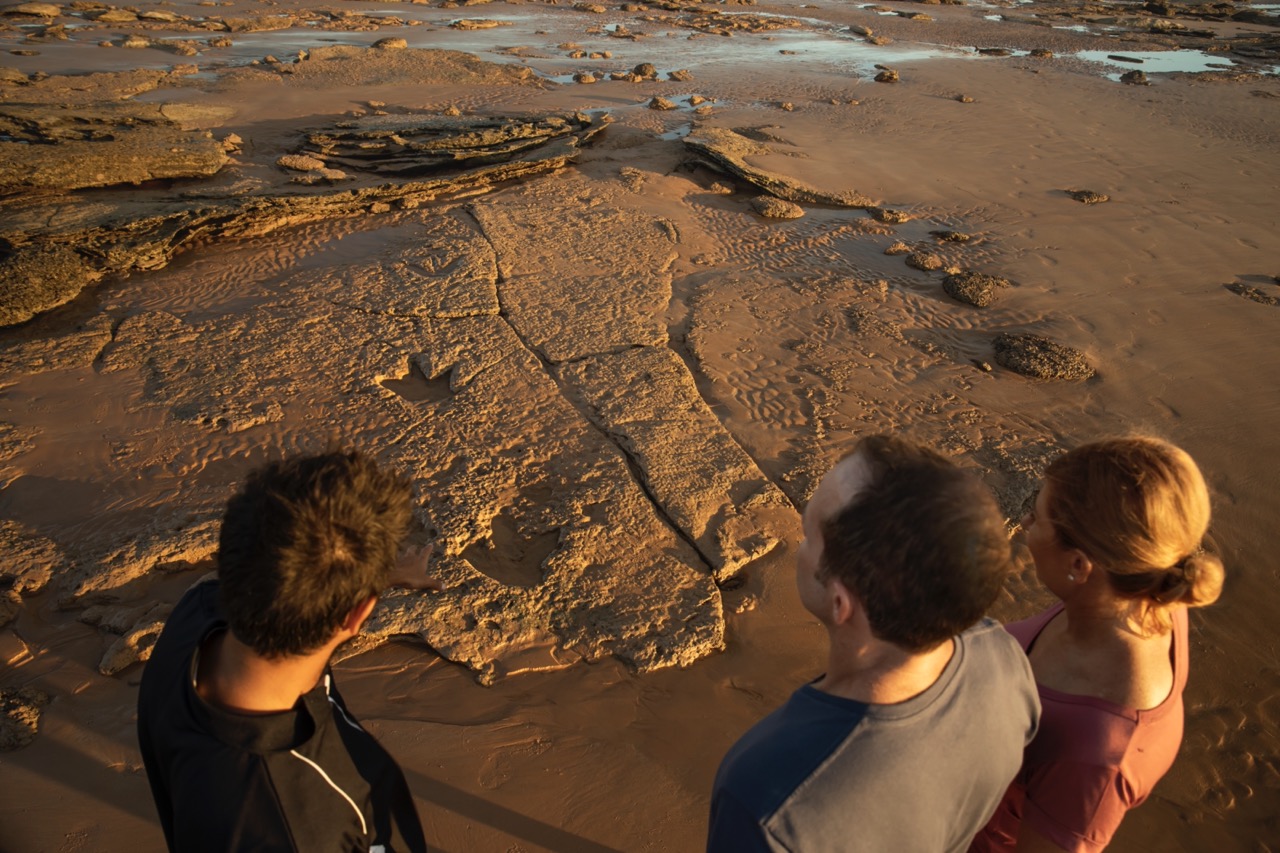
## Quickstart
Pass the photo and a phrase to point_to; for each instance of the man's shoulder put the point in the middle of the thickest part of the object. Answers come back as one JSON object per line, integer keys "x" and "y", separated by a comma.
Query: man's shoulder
{"x": 784, "y": 749}
{"x": 987, "y": 640}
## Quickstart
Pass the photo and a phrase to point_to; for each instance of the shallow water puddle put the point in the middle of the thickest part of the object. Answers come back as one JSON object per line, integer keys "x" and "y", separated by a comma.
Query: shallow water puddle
{"x": 1157, "y": 62}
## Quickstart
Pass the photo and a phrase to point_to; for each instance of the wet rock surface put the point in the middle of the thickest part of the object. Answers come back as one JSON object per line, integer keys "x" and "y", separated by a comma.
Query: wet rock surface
{"x": 69, "y": 150}
{"x": 20, "y": 711}
{"x": 1041, "y": 358}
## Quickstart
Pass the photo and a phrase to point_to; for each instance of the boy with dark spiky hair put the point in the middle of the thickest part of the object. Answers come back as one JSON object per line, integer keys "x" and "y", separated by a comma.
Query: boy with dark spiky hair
{"x": 246, "y": 741}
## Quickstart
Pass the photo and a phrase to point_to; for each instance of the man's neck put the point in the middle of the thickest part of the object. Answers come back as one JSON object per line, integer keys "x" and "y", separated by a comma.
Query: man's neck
{"x": 881, "y": 673}
{"x": 235, "y": 677}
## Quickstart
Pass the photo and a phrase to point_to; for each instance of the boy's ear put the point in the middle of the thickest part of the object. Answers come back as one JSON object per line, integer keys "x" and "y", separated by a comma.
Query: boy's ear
{"x": 356, "y": 618}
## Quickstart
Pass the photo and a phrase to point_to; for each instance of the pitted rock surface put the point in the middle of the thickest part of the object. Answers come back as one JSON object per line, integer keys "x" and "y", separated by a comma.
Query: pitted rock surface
{"x": 1041, "y": 358}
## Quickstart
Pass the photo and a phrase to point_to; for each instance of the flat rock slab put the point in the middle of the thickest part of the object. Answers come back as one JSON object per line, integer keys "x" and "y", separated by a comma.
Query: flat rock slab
{"x": 348, "y": 65}
{"x": 704, "y": 481}
{"x": 445, "y": 269}
{"x": 734, "y": 152}
{"x": 618, "y": 295}
{"x": 551, "y": 549}
{"x": 37, "y": 278}
{"x": 128, "y": 155}
{"x": 85, "y": 89}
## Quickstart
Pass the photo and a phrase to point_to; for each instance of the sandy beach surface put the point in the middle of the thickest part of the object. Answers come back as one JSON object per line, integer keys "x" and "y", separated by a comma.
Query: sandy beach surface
{"x": 613, "y": 321}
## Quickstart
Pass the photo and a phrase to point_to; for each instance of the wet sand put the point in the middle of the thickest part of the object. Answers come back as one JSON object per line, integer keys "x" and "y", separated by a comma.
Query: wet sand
{"x": 799, "y": 336}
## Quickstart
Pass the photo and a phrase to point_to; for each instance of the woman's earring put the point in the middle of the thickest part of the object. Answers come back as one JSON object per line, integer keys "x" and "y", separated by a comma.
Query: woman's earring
{"x": 1071, "y": 577}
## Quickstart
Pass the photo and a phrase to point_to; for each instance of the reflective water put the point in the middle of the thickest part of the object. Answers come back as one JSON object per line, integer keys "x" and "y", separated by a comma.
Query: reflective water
{"x": 1157, "y": 62}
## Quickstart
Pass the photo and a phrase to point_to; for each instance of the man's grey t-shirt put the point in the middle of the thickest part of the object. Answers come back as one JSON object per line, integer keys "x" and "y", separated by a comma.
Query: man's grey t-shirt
{"x": 823, "y": 773}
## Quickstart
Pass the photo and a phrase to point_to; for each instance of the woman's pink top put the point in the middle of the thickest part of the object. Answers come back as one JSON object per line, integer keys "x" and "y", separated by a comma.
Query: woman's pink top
{"x": 1091, "y": 760}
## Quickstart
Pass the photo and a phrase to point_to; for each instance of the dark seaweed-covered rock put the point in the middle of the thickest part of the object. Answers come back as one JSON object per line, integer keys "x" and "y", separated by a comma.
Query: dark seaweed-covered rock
{"x": 1040, "y": 358}
{"x": 973, "y": 288}
{"x": 890, "y": 217}
{"x": 20, "y": 716}
{"x": 1135, "y": 78}
{"x": 1088, "y": 196}
{"x": 1250, "y": 292}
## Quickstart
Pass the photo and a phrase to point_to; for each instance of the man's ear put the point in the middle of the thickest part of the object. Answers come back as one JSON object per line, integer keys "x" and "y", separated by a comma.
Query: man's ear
{"x": 843, "y": 603}
{"x": 356, "y": 618}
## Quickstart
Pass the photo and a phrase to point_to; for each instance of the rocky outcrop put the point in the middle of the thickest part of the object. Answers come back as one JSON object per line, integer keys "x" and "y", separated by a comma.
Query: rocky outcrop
{"x": 66, "y": 150}
{"x": 42, "y": 267}
{"x": 732, "y": 151}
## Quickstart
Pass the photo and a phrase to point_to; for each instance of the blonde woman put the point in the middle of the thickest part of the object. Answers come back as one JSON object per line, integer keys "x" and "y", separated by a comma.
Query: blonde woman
{"x": 1116, "y": 533}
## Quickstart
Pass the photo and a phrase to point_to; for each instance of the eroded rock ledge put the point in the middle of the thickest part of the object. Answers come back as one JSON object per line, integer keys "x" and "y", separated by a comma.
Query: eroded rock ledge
{"x": 52, "y": 248}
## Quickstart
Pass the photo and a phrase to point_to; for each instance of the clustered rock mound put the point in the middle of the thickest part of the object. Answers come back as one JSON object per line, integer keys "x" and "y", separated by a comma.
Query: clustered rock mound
{"x": 1041, "y": 358}
{"x": 973, "y": 288}
{"x": 771, "y": 207}
{"x": 1088, "y": 196}
{"x": 27, "y": 562}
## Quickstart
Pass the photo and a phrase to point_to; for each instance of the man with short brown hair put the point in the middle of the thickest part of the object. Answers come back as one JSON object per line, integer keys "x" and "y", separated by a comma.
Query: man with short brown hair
{"x": 910, "y": 738}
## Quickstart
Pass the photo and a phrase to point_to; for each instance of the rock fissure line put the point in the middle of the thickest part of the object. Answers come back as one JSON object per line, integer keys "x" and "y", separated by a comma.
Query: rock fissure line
{"x": 591, "y": 416}
{"x": 686, "y": 359}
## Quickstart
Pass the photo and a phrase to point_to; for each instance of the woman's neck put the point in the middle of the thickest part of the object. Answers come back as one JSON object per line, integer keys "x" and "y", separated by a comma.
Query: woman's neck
{"x": 1100, "y": 651}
